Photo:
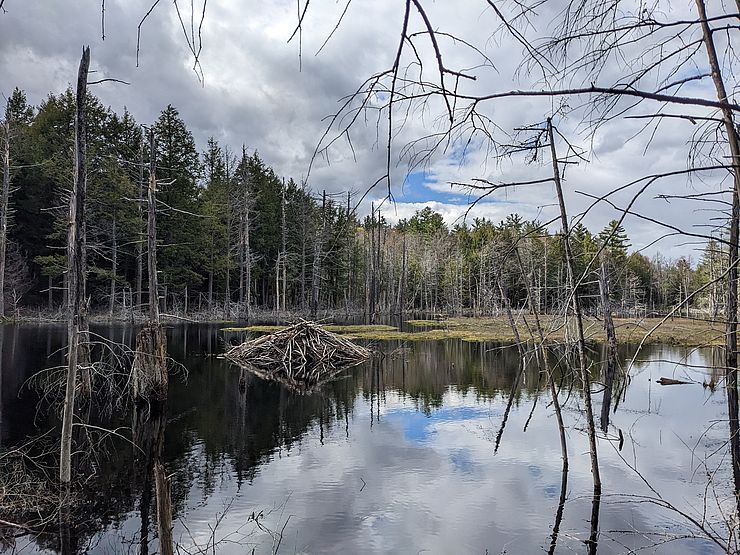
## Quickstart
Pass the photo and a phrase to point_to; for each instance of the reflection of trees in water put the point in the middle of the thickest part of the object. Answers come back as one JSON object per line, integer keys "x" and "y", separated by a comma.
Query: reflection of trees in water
{"x": 215, "y": 427}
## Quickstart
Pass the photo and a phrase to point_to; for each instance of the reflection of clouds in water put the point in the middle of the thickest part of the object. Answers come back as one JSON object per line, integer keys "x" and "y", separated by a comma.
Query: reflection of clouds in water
{"x": 463, "y": 462}
{"x": 419, "y": 427}
{"x": 424, "y": 476}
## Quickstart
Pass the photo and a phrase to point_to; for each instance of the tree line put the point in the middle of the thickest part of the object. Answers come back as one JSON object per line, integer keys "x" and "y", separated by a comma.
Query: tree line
{"x": 235, "y": 236}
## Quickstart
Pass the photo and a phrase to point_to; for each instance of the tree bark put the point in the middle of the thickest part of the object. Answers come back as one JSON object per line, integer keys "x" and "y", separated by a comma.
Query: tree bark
{"x": 75, "y": 269}
{"x": 732, "y": 277}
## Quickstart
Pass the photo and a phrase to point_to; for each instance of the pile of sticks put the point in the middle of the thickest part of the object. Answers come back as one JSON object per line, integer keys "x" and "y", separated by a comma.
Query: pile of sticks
{"x": 301, "y": 355}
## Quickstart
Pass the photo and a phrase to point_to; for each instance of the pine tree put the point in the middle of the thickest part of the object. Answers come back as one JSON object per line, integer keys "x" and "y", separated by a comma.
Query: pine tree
{"x": 180, "y": 230}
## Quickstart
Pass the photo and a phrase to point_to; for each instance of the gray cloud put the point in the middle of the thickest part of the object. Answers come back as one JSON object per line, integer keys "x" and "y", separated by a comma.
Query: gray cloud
{"x": 253, "y": 94}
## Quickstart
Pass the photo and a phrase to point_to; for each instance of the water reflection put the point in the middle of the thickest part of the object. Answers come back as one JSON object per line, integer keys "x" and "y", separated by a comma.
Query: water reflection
{"x": 396, "y": 456}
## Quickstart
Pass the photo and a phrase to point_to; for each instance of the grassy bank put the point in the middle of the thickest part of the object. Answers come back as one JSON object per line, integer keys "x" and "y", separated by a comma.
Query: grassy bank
{"x": 674, "y": 331}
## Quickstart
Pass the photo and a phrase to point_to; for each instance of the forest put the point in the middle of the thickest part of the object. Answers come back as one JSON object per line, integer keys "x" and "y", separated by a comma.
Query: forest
{"x": 238, "y": 236}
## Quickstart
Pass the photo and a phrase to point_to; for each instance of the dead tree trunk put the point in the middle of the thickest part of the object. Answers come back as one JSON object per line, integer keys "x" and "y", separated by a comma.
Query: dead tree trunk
{"x": 50, "y": 293}
{"x": 401, "y": 300}
{"x": 304, "y": 241}
{"x": 210, "y": 277}
{"x": 114, "y": 269}
{"x": 4, "y": 212}
{"x": 140, "y": 238}
{"x": 75, "y": 269}
{"x": 580, "y": 339}
{"x": 316, "y": 270}
{"x": 284, "y": 248}
{"x": 732, "y": 277}
{"x": 349, "y": 244}
{"x": 245, "y": 254}
{"x": 611, "y": 344}
{"x": 150, "y": 361}
{"x": 373, "y": 268}
{"x": 229, "y": 231}
{"x": 376, "y": 301}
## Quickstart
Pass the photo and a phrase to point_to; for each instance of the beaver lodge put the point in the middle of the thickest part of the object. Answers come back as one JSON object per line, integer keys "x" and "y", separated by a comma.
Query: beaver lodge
{"x": 302, "y": 356}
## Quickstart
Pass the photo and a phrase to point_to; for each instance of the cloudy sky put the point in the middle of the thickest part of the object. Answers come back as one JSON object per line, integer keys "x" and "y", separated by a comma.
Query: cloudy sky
{"x": 258, "y": 91}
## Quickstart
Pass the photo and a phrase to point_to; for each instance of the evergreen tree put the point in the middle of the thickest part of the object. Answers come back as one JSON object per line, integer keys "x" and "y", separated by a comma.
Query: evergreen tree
{"x": 181, "y": 258}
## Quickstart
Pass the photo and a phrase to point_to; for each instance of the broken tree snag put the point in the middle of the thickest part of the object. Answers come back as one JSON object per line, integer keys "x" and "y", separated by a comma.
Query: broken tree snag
{"x": 140, "y": 224}
{"x": 301, "y": 356}
{"x": 75, "y": 270}
{"x": 149, "y": 379}
{"x": 151, "y": 232}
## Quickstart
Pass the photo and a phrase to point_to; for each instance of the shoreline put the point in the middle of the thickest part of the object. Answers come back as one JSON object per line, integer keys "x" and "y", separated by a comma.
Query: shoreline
{"x": 674, "y": 331}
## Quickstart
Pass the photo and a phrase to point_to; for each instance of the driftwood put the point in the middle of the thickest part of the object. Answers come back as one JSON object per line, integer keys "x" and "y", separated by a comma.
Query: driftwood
{"x": 301, "y": 356}
{"x": 670, "y": 381}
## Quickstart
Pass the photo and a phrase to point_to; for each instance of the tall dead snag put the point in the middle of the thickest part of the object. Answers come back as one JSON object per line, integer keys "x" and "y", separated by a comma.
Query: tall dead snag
{"x": 611, "y": 343}
{"x": 114, "y": 270}
{"x": 4, "y": 210}
{"x": 316, "y": 269}
{"x": 401, "y": 299}
{"x": 227, "y": 292}
{"x": 580, "y": 339}
{"x": 75, "y": 269}
{"x": 732, "y": 276}
{"x": 150, "y": 362}
{"x": 140, "y": 225}
{"x": 245, "y": 253}
{"x": 283, "y": 255}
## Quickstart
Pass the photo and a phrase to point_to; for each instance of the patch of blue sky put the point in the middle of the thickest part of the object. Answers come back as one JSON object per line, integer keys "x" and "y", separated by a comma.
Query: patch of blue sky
{"x": 422, "y": 187}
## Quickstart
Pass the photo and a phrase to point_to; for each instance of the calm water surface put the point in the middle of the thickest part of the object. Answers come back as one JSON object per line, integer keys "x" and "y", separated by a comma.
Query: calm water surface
{"x": 398, "y": 456}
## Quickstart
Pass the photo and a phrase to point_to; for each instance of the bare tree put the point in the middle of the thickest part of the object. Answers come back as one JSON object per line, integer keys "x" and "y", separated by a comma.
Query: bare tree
{"x": 150, "y": 363}
{"x": 317, "y": 254}
{"x": 75, "y": 269}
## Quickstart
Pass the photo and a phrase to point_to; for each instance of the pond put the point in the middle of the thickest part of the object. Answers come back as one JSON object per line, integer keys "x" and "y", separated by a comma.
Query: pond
{"x": 404, "y": 454}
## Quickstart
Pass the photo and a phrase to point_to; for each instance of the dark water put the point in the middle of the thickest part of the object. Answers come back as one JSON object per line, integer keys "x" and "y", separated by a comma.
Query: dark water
{"x": 398, "y": 456}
